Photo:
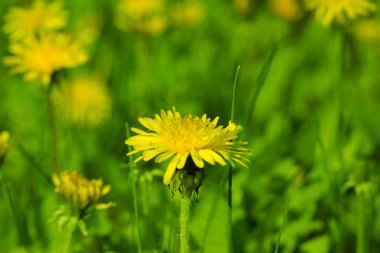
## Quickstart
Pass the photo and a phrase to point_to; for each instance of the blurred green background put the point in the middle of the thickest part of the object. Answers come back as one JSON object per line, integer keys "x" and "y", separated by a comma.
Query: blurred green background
{"x": 313, "y": 129}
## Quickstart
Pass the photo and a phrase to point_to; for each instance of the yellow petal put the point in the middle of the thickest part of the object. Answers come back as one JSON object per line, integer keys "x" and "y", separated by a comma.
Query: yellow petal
{"x": 170, "y": 170}
{"x": 206, "y": 156}
{"x": 164, "y": 157}
{"x": 182, "y": 160}
{"x": 138, "y": 131}
{"x": 56, "y": 180}
{"x": 217, "y": 157}
{"x": 102, "y": 206}
{"x": 197, "y": 159}
{"x": 106, "y": 189}
{"x": 149, "y": 154}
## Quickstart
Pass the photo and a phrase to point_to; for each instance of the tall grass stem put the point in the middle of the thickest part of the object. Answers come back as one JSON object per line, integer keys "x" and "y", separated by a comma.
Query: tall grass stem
{"x": 134, "y": 192}
{"x": 52, "y": 130}
{"x": 282, "y": 226}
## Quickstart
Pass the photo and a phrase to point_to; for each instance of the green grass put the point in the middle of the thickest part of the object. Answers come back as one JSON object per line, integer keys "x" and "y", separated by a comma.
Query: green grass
{"x": 307, "y": 97}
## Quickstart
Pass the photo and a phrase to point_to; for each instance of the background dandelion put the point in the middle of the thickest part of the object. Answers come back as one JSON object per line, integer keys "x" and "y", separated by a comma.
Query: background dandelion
{"x": 83, "y": 101}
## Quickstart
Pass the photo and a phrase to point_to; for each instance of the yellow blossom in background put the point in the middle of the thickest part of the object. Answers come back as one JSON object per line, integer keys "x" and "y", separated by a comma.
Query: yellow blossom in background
{"x": 81, "y": 192}
{"x": 4, "y": 143}
{"x": 328, "y": 11}
{"x": 41, "y": 17}
{"x": 189, "y": 13}
{"x": 368, "y": 30}
{"x": 171, "y": 136}
{"x": 290, "y": 10}
{"x": 243, "y": 7}
{"x": 141, "y": 8}
{"x": 84, "y": 101}
{"x": 142, "y": 16}
{"x": 39, "y": 58}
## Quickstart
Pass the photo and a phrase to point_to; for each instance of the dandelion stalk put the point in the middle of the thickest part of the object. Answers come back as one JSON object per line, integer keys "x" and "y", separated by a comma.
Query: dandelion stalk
{"x": 52, "y": 127}
{"x": 184, "y": 221}
{"x": 134, "y": 193}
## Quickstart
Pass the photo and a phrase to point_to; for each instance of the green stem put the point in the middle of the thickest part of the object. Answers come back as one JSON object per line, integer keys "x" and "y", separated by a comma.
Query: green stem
{"x": 53, "y": 131}
{"x": 184, "y": 220}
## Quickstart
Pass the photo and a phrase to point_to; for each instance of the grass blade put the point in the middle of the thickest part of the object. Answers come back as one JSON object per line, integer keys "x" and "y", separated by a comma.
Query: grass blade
{"x": 35, "y": 164}
{"x": 20, "y": 218}
{"x": 260, "y": 82}
{"x": 282, "y": 227}
{"x": 134, "y": 192}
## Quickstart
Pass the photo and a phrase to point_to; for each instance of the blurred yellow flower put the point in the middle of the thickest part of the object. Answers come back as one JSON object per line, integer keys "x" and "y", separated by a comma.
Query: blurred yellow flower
{"x": 81, "y": 192}
{"x": 328, "y": 11}
{"x": 39, "y": 58}
{"x": 4, "y": 143}
{"x": 141, "y": 8}
{"x": 243, "y": 7}
{"x": 189, "y": 13}
{"x": 368, "y": 30}
{"x": 41, "y": 17}
{"x": 84, "y": 101}
{"x": 143, "y": 16}
{"x": 171, "y": 136}
{"x": 290, "y": 10}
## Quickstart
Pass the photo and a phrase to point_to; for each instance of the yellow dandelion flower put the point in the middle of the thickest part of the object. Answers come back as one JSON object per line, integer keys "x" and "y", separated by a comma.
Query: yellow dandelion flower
{"x": 4, "y": 143}
{"x": 243, "y": 7}
{"x": 368, "y": 30}
{"x": 188, "y": 13}
{"x": 328, "y": 11}
{"x": 81, "y": 192}
{"x": 141, "y": 8}
{"x": 171, "y": 136}
{"x": 40, "y": 58}
{"x": 84, "y": 101}
{"x": 21, "y": 23}
{"x": 290, "y": 10}
{"x": 143, "y": 16}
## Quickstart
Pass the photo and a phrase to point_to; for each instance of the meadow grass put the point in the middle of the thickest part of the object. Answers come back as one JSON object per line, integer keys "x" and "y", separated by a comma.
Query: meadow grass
{"x": 306, "y": 94}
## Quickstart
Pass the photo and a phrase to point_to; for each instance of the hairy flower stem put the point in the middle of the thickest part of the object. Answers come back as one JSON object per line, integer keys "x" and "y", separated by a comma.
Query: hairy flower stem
{"x": 184, "y": 220}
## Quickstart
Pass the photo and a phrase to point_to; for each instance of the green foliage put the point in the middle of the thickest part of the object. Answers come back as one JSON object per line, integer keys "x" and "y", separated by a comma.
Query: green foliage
{"x": 309, "y": 106}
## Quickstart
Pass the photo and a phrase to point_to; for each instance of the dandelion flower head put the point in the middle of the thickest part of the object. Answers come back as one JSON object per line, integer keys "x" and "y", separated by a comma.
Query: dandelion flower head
{"x": 41, "y": 17}
{"x": 171, "y": 136}
{"x": 81, "y": 192}
{"x": 84, "y": 101}
{"x": 189, "y": 13}
{"x": 368, "y": 30}
{"x": 328, "y": 11}
{"x": 143, "y": 16}
{"x": 141, "y": 8}
{"x": 4, "y": 143}
{"x": 39, "y": 58}
{"x": 243, "y": 7}
{"x": 290, "y": 10}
